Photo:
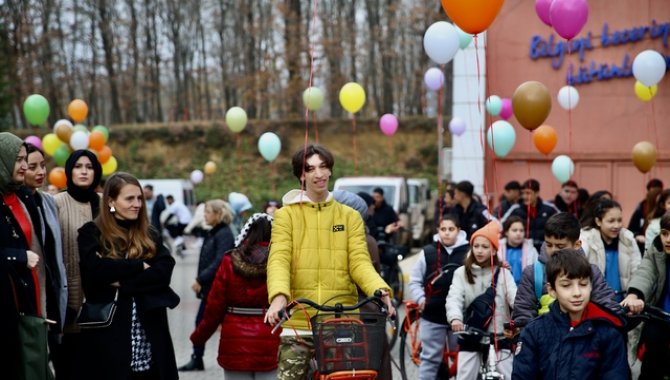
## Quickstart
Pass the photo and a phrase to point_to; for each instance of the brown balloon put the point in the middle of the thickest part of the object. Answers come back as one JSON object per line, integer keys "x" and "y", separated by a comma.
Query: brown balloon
{"x": 531, "y": 104}
{"x": 644, "y": 156}
{"x": 64, "y": 132}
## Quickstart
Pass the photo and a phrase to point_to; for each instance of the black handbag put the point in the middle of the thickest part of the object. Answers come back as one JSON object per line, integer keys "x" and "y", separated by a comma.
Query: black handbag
{"x": 94, "y": 315}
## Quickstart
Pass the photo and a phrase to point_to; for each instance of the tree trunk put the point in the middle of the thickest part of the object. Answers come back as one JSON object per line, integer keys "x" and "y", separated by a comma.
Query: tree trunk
{"x": 105, "y": 23}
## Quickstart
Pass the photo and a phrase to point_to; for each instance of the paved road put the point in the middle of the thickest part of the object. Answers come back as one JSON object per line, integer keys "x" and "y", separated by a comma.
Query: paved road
{"x": 182, "y": 318}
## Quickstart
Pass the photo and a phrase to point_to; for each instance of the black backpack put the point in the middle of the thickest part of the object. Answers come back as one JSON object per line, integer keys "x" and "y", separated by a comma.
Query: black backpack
{"x": 480, "y": 312}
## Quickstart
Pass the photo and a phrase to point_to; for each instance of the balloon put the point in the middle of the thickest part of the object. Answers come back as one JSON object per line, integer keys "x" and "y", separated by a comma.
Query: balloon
{"x": 531, "y": 104}
{"x": 568, "y": 17}
{"x": 542, "y": 10}
{"x": 352, "y": 97}
{"x": 388, "y": 124}
{"x": 63, "y": 129}
{"x": 36, "y": 109}
{"x": 501, "y": 137}
{"x": 568, "y": 97}
{"x": 313, "y": 98}
{"x": 51, "y": 142}
{"x": 645, "y": 93}
{"x": 464, "y": 39}
{"x": 104, "y": 154}
{"x": 434, "y": 79}
{"x": 210, "y": 167}
{"x": 77, "y": 109}
{"x": 473, "y": 16}
{"x": 61, "y": 154}
{"x": 110, "y": 166}
{"x": 96, "y": 140}
{"x": 545, "y": 138}
{"x": 102, "y": 129}
{"x": 80, "y": 128}
{"x": 57, "y": 178}
{"x": 269, "y": 145}
{"x": 79, "y": 140}
{"x": 562, "y": 167}
{"x": 197, "y": 176}
{"x": 35, "y": 141}
{"x": 493, "y": 105}
{"x": 506, "y": 109}
{"x": 644, "y": 156}
{"x": 441, "y": 42}
{"x": 649, "y": 67}
{"x": 236, "y": 119}
{"x": 457, "y": 126}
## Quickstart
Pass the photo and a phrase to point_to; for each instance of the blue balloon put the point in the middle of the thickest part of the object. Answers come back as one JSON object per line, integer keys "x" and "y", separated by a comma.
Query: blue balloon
{"x": 501, "y": 137}
{"x": 269, "y": 145}
{"x": 464, "y": 39}
{"x": 494, "y": 105}
{"x": 562, "y": 168}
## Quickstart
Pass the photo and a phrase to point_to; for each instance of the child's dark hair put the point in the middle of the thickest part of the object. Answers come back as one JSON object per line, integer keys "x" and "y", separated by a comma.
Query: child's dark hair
{"x": 562, "y": 225}
{"x": 665, "y": 221}
{"x": 299, "y": 160}
{"x": 569, "y": 262}
{"x": 601, "y": 209}
{"x": 453, "y": 217}
{"x": 511, "y": 220}
{"x": 259, "y": 232}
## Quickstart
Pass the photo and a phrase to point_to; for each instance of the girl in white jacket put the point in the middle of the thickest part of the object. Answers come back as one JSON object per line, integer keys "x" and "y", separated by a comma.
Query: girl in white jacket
{"x": 471, "y": 280}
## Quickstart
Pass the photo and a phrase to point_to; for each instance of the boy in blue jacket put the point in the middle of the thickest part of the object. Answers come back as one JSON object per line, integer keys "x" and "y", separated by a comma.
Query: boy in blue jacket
{"x": 577, "y": 339}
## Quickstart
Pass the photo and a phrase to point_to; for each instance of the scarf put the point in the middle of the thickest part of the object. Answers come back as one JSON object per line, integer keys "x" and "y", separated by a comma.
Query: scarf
{"x": 10, "y": 145}
{"x": 81, "y": 194}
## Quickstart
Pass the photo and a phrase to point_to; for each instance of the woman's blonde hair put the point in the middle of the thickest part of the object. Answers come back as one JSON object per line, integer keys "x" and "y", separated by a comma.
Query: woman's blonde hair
{"x": 117, "y": 242}
{"x": 221, "y": 209}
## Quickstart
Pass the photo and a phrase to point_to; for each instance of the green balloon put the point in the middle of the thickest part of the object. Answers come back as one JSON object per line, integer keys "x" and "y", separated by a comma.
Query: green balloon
{"x": 36, "y": 109}
{"x": 80, "y": 127}
{"x": 61, "y": 155}
{"x": 103, "y": 130}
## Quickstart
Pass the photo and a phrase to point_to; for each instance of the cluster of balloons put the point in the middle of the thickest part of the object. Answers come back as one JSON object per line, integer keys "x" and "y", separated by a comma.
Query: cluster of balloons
{"x": 648, "y": 68}
{"x": 567, "y": 17}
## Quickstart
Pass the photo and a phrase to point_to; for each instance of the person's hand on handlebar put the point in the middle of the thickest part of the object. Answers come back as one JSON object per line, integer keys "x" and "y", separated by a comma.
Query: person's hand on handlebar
{"x": 634, "y": 304}
{"x": 386, "y": 298}
{"x": 272, "y": 316}
{"x": 457, "y": 325}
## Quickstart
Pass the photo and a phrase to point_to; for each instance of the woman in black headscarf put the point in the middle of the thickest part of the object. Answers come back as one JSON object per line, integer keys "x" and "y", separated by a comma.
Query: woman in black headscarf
{"x": 76, "y": 206}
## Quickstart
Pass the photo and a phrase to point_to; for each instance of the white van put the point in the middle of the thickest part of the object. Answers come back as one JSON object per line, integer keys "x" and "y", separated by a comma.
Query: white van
{"x": 180, "y": 189}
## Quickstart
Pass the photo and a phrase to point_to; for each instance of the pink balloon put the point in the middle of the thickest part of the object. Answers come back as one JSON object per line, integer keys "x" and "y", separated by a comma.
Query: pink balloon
{"x": 34, "y": 140}
{"x": 457, "y": 126}
{"x": 542, "y": 10}
{"x": 506, "y": 111}
{"x": 388, "y": 124}
{"x": 568, "y": 17}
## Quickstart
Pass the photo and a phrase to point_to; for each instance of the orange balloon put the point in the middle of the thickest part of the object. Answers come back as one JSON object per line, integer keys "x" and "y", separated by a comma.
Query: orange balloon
{"x": 77, "y": 109}
{"x": 531, "y": 104}
{"x": 644, "y": 156}
{"x": 472, "y": 16}
{"x": 96, "y": 140}
{"x": 57, "y": 178}
{"x": 545, "y": 138}
{"x": 104, "y": 154}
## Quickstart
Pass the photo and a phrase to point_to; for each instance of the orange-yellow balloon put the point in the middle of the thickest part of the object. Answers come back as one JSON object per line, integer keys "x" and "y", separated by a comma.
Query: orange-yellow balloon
{"x": 96, "y": 140}
{"x": 472, "y": 16}
{"x": 645, "y": 93}
{"x": 78, "y": 110}
{"x": 57, "y": 177}
{"x": 104, "y": 154}
{"x": 644, "y": 156}
{"x": 210, "y": 167}
{"x": 545, "y": 139}
{"x": 110, "y": 166}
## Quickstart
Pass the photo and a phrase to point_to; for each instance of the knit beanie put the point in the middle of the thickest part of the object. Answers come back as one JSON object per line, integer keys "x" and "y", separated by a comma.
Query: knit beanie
{"x": 10, "y": 145}
{"x": 491, "y": 231}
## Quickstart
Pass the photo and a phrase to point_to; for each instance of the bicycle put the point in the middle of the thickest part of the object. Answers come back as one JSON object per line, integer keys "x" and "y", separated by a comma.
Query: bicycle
{"x": 342, "y": 338}
{"x": 649, "y": 313}
{"x": 390, "y": 256}
{"x": 483, "y": 340}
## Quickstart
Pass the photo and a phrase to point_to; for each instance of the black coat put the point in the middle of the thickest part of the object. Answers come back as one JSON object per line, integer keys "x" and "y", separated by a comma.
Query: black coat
{"x": 218, "y": 241}
{"x": 435, "y": 309}
{"x": 106, "y": 352}
{"x": 472, "y": 219}
{"x": 543, "y": 212}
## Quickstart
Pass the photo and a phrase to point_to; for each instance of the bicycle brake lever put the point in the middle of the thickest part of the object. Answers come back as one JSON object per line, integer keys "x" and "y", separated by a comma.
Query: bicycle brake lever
{"x": 284, "y": 317}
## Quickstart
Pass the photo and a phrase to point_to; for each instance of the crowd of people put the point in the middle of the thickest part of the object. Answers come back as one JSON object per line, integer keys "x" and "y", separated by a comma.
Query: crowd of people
{"x": 91, "y": 264}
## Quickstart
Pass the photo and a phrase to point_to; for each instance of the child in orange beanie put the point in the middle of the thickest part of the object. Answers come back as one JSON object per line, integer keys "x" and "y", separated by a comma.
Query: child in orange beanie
{"x": 482, "y": 269}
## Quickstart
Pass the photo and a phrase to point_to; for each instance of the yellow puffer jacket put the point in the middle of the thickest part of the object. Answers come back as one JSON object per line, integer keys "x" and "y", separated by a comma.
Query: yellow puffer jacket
{"x": 318, "y": 251}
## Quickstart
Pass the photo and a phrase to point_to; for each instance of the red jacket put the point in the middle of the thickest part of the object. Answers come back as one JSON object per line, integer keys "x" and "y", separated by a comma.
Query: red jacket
{"x": 246, "y": 343}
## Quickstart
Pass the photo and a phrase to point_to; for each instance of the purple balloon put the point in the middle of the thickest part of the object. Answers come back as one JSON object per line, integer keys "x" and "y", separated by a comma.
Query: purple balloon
{"x": 457, "y": 126}
{"x": 542, "y": 10}
{"x": 568, "y": 17}
{"x": 506, "y": 111}
{"x": 434, "y": 78}
{"x": 388, "y": 124}
{"x": 34, "y": 140}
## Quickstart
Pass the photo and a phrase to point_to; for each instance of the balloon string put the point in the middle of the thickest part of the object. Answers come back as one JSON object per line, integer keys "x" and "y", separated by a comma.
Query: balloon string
{"x": 353, "y": 142}
{"x": 530, "y": 141}
{"x": 438, "y": 128}
{"x": 483, "y": 127}
{"x": 311, "y": 77}
{"x": 316, "y": 127}
{"x": 569, "y": 112}
{"x": 273, "y": 174}
{"x": 655, "y": 130}
{"x": 238, "y": 144}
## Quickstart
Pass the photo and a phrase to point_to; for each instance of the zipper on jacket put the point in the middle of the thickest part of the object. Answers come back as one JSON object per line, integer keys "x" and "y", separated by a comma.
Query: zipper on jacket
{"x": 318, "y": 253}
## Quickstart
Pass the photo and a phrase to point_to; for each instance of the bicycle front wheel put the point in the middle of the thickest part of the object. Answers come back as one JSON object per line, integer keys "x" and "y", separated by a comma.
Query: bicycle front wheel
{"x": 410, "y": 348}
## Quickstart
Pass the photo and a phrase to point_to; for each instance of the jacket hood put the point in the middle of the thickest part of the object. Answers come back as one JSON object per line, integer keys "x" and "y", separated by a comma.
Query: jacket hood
{"x": 10, "y": 145}
{"x": 461, "y": 240}
{"x": 298, "y": 196}
{"x": 352, "y": 200}
{"x": 244, "y": 268}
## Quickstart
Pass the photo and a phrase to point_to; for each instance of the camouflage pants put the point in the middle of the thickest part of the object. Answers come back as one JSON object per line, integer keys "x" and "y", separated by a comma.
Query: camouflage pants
{"x": 294, "y": 357}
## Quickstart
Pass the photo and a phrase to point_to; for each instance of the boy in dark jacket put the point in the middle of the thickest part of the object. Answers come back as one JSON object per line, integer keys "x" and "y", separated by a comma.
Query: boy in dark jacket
{"x": 577, "y": 339}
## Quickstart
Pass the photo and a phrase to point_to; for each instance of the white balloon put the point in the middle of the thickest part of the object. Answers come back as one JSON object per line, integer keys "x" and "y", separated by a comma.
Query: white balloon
{"x": 563, "y": 168}
{"x": 649, "y": 67}
{"x": 79, "y": 140}
{"x": 568, "y": 97}
{"x": 67, "y": 122}
{"x": 197, "y": 176}
{"x": 441, "y": 42}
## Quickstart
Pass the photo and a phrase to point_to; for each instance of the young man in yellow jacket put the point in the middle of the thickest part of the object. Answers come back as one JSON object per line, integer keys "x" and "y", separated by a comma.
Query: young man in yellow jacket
{"x": 318, "y": 251}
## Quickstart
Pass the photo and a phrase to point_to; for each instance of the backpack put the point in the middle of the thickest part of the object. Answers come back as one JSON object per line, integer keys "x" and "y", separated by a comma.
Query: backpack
{"x": 479, "y": 313}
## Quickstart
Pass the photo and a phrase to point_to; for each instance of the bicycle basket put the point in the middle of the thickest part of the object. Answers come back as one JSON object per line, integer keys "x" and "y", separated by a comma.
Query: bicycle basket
{"x": 351, "y": 341}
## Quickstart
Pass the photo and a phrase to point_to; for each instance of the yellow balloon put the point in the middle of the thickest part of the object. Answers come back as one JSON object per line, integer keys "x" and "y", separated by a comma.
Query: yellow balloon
{"x": 210, "y": 167}
{"x": 110, "y": 166}
{"x": 352, "y": 97}
{"x": 645, "y": 93}
{"x": 50, "y": 143}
